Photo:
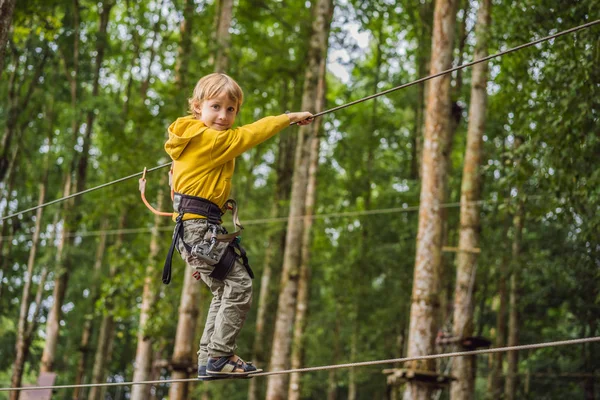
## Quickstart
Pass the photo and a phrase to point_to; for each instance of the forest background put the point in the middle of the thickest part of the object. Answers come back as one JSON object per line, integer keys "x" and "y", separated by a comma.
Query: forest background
{"x": 88, "y": 89}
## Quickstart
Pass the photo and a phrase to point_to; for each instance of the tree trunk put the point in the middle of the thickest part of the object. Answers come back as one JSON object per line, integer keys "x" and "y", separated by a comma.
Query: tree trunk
{"x": 84, "y": 346}
{"x": 58, "y": 293}
{"x": 7, "y": 8}
{"x": 21, "y": 348}
{"x": 223, "y": 39}
{"x": 107, "y": 326}
{"x": 102, "y": 357}
{"x": 276, "y": 240}
{"x": 143, "y": 356}
{"x": 422, "y": 21}
{"x": 155, "y": 33}
{"x": 16, "y": 107}
{"x": 64, "y": 265}
{"x": 91, "y": 115}
{"x": 352, "y": 387}
{"x": 464, "y": 367}
{"x": 305, "y": 272}
{"x": 280, "y": 354}
{"x": 185, "y": 336}
{"x": 332, "y": 376}
{"x": 447, "y": 289}
{"x": 512, "y": 357}
{"x": 425, "y": 303}
{"x": 185, "y": 46}
{"x": 495, "y": 380}
{"x": 4, "y": 258}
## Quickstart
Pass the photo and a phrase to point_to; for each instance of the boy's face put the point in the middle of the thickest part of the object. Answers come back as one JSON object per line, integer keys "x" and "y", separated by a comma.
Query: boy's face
{"x": 219, "y": 112}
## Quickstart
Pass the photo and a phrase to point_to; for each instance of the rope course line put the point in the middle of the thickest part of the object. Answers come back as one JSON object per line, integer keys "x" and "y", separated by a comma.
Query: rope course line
{"x": 84, "y": 192}
{"x": 330, "y": 367}
{"x": 522, "y": 46}
{"x": 269, "y": 220}
{"x": 469, "y": 64}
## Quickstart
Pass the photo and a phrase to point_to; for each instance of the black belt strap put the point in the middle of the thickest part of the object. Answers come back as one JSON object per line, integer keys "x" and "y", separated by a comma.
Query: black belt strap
{"x": 177, "y": 233}
{"x": 236, "y": 244}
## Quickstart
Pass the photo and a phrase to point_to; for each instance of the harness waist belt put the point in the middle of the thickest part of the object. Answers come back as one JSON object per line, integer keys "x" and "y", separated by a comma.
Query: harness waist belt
{"x": 184, "y": 204}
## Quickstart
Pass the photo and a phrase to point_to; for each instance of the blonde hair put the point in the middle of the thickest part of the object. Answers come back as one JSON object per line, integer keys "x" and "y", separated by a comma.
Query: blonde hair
{"x": 211, "y": 86}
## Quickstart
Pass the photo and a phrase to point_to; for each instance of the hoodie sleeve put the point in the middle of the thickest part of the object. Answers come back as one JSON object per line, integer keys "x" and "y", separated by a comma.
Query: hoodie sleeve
{"x": 227, "y": 145}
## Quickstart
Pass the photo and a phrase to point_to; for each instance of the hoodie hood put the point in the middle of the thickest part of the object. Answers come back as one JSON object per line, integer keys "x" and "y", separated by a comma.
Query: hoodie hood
{"x": 181, "y": 133}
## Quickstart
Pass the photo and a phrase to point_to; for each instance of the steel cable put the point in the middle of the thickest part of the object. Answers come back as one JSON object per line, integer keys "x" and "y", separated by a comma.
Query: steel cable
{"x": 329, "y": 367}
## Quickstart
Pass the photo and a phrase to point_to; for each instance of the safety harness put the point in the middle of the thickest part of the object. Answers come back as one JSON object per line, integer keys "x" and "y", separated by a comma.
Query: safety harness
{"x": 219, "y": 250}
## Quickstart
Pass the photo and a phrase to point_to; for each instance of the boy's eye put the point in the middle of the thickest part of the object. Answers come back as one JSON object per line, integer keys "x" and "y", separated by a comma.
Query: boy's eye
{"x": 215, "y": 106}
{"x": 231, "y": 109}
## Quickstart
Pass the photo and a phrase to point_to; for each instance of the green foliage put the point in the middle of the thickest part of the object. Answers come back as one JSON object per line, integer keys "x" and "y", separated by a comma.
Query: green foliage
{"x": 362, "y": 264}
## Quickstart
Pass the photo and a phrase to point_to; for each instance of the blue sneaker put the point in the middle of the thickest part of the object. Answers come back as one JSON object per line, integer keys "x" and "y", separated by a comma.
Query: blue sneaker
{"x": 224, "y": 367}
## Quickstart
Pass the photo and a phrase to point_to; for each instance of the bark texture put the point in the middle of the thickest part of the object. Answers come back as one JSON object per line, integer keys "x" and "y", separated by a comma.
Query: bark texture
{"x": 144, "y": 353}
{"x": 512, "y": 357}
{"x": 185, "y": 339}
{"x": 280, "y": 354}
{"x": 64, "y": 264}
{"x": 185, "y": 46}
{"x": 285, "y": 170}
{"x": 107, "y": 326}
{"x": 305, "y": 272}
{"x": 464, "y": 367}
{"x": 7, "y": 8}
{"x": 223, "y": 41}
{"x": 425, "y": 302}
{"x": 84, "y": 346}
{"x": 24, "y": 340}
{"x": 17, "y": 105}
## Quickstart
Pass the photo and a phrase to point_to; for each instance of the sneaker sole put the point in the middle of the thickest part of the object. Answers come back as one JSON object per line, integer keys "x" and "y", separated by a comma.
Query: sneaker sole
{"x": 217, "y": 374}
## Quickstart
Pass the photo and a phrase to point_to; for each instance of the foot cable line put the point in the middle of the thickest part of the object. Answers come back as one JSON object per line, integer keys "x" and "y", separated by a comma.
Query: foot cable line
{"x": 522, "y": 46}
{"x": 329, "y": 367}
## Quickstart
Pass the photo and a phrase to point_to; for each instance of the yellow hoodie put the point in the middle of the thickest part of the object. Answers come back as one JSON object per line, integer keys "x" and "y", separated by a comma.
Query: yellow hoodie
{"x": 204, "y": 158}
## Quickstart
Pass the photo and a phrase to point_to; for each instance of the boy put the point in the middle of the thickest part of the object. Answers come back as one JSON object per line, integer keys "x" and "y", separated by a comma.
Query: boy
{"x": 203, "y": 148}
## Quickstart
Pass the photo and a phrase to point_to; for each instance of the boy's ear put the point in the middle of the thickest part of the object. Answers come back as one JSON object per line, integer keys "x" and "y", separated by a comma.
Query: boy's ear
{"x": 197, "y": 106}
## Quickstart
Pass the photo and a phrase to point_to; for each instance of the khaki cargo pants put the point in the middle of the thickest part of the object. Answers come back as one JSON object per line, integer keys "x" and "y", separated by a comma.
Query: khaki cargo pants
{"x": 231, "y": 301}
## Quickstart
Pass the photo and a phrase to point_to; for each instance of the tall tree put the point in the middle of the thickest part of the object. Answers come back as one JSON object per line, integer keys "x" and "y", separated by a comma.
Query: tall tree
{"x": 275, "y": 240}
{"x": 23, "y": 340}
{"x": 512, "y": 357}
{"x": 7, "y": 8}
{"x": 495, "y": 387}
{"x": 88, "y": 325}
{"x": 463, "y": 368}
{"x": 305, "y": 271}
{"x": 72, "y": 216}
{"x": 143, "y": 355}
{"x": 421, "y": 17}
{"x": 106, "y": 334}
{"x": 223, "y": 36}
{"x": 425, "y": 303}
{"x": 280, "y": 354}
{"x": 18, "y": 101}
